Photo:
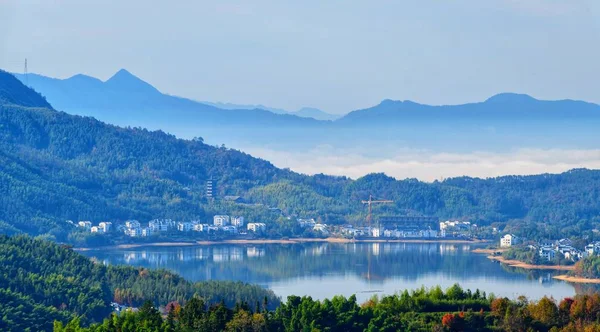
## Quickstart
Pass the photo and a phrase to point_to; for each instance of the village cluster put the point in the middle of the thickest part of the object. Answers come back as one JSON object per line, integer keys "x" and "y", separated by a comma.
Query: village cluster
{"x": 398, "y": 227}
{"x": 550, "y": 250}
{"x": 133, "y": 228}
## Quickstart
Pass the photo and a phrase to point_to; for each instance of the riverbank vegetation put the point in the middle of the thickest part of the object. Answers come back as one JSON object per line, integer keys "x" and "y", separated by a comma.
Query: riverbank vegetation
{"x": 532, "y": 257}
{"x": 419, "y": 310}
{"x": 588, "y": 267}
{"x": 41, "y": 281}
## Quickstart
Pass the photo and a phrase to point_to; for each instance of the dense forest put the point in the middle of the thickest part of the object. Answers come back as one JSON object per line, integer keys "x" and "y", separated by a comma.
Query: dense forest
{"x": 41, "y": 281}
{"x": 56, "y": 167}
{"x": 419, "y": 310}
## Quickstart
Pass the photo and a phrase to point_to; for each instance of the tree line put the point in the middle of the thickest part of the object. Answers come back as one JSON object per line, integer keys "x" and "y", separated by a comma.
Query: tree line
{"x": 41, "y": 281}
{"x": 420, "y": 310}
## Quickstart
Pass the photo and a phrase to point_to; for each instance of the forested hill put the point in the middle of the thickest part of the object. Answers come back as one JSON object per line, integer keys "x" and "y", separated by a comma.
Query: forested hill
{"x": 41, "y": 282}
{"x": 12, "y": 92}
{"x": 56, "y": 167}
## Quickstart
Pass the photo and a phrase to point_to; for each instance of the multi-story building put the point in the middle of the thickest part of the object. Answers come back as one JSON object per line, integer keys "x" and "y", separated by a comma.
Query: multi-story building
{"x": 85, "y": 224}
{"x": 161, "y": 225}
{"x": 547, "y": 253}
{"x": 237, "y": 221}
{"x": 133, "y": 232}
{"x": 221, "y": 220}
{"x": 375, "y": 232}
{"x": 307, "y": 222}
{"x": 256, "y": 226}
{"x": 593, "y": 249}
{"x": 185, "y": 226}
{"x": 146, "y": 231}
{"x": 132, "y": 224}
{"x": 455, "y": 226}
{"x": 105, "y": 226}
{"x": 508, "y": 240}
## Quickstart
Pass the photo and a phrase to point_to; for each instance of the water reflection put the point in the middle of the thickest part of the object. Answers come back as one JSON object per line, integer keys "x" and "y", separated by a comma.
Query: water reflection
{"x": 327, "y": 269}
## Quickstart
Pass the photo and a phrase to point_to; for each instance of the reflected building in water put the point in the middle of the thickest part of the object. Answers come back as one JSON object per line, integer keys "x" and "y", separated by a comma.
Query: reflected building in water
{"x": 381, "y": 264}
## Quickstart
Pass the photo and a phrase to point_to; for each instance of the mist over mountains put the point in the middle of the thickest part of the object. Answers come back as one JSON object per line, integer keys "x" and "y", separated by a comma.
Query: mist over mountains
{"x": 506, "y": 133}
{"x": 304, "y": 112}
{"x": 55, "y": 167}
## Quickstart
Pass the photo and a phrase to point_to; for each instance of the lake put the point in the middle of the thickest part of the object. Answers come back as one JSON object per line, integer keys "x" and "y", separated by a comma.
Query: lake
{"x": 323, "y": 270}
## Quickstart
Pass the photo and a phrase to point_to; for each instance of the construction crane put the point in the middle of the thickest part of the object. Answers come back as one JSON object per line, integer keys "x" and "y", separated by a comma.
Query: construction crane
{"x": 370, "y": 202}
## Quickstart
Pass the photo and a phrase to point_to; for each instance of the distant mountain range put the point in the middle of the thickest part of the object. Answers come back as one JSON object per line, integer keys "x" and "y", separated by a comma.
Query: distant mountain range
{"x": 56, "y": 167}
{"x": 502, "y": 122}
{"x": 86, "y": 92}
{"x": 305, "y": 112}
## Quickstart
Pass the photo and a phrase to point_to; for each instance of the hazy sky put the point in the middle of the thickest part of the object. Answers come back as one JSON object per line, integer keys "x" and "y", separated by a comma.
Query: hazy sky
{"x": 335, "y": 55}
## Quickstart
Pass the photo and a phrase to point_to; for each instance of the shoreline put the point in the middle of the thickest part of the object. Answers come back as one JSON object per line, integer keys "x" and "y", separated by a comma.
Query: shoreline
{"x": 487, "y": 251}
{"x": 523, "y": 265}
{"x": 576, "y": 280}
{"x": 273, "y": 241}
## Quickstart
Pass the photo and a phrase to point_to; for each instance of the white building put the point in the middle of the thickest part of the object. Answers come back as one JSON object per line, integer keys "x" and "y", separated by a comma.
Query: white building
{"x": 547, "y": 253}
{"x": 132, "y": 224}
{"x": 237, "y": 221}
{"x": 201, "y": 227}
{"x": 146, "y": 231}
{"x": 161, "y": 225}
{"x": 508, "y": 240}
{"x": 323, "y": 228}
{"x": 105, "y": 226}
{"x": 85, "y": 224}
{"x": 455, "y": 223}
{"x": 593, "y": 249}
{"x": 95, "y": 229}
{"x": 230, "y": 229}
{"x": 256, "y": 226}
{"x": 221, "y": 220}
{"x": 133, "y": 232}
{"x": 376, "y": 232}
{"x": 307, "y": 222}
{"x": 185, "y": 226}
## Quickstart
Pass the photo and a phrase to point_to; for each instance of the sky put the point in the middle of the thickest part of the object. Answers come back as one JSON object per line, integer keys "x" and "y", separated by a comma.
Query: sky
{"x": 336, "y": 55}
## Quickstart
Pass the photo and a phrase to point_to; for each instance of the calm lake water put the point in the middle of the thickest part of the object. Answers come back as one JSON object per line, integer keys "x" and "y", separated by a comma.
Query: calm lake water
{"x": 323, "y": 270}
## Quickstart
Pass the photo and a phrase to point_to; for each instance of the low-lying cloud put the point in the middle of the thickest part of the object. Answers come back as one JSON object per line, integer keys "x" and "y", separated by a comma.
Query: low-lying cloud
{"x": 430, "y": 166}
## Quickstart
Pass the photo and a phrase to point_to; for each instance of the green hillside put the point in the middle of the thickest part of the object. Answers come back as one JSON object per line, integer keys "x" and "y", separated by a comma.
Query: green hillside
{"x": 41, "y": 282}
{"x": 56, "y": 167}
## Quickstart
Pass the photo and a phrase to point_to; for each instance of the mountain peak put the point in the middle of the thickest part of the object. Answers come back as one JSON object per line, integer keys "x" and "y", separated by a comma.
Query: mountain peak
{"x": 124, "y": 80}
{"x": 509, "y": 97}
{"x": 83, "y": 78}
{"x": 123, "y": 74}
